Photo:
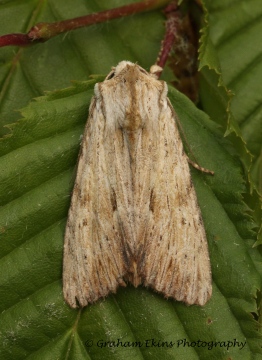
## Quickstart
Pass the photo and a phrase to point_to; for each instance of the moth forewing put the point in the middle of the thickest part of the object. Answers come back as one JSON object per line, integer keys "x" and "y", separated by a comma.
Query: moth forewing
{"x": 93, "y": 258}
{"x": 134, "y": 214}
{"x": 176, "y": 260}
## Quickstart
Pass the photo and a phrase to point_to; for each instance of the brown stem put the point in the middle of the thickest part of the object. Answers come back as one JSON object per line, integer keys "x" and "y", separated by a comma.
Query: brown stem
{"x": 14, "y": 39}
{"x": 44, "y": 31}
{"x": 172, "y": 15}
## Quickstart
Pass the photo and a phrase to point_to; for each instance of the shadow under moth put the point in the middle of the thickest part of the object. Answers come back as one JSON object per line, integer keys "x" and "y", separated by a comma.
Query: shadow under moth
{"x": 134, "y": 215}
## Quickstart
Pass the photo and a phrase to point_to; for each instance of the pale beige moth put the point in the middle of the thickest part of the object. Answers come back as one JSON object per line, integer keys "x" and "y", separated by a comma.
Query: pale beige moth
{"x": 134, "y": 215}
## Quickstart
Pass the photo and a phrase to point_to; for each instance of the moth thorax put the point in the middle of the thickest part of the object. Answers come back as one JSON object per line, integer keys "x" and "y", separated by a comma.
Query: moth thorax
{"x": 132, "y": 121}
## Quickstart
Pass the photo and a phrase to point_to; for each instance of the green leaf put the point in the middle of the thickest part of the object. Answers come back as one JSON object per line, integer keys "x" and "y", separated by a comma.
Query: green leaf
{"x": 232, "y": 33}
{"x": 33, "y": 222}
{"x": 37, "y": 169}
{"x": 219, "y": 102}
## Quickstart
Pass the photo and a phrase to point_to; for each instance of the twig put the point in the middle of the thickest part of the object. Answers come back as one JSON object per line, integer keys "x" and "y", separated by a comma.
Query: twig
{"x": 44, "y": 31}
{"x": 172, "y": 15}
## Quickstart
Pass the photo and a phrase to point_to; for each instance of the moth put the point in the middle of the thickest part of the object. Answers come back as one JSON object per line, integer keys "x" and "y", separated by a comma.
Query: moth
{"x": 134, "y": 215}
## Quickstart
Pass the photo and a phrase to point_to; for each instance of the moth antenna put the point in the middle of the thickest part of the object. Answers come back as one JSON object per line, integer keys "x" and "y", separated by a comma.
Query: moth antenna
{"x": 193, "y": 163}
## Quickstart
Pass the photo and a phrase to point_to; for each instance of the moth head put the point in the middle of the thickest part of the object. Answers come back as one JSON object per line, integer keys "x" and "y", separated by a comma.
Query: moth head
{"x": 123, "y": 67}
{"x": 117, "y": 70}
